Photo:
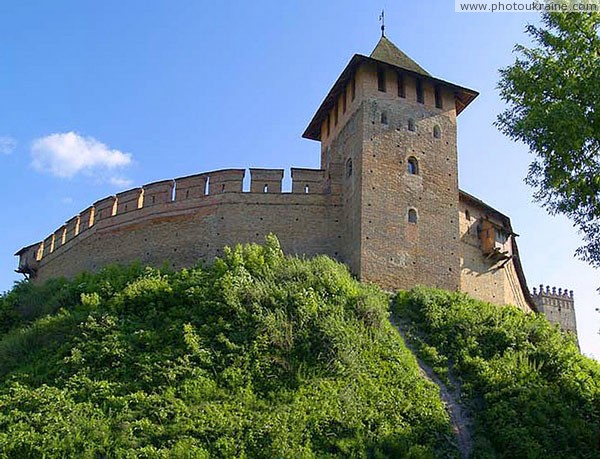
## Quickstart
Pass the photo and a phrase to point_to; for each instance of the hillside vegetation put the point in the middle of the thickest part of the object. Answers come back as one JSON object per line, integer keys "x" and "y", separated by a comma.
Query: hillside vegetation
{"x": 257, "y": 356}
{"x": 530, "y": 392}
{"x": 264, "y": 356}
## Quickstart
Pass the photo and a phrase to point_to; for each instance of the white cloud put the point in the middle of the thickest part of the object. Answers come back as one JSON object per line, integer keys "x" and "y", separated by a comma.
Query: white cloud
{"x": 120, "y": 182}
{"x": 68, "y": 154}
{"x": 7, "y": 144}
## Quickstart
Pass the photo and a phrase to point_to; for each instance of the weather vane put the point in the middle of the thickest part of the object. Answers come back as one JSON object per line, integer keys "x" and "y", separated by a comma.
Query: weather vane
{"x": 382, "y": 20}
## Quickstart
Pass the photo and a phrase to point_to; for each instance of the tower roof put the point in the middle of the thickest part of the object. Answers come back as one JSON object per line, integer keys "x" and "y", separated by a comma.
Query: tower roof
{"x": 388, "y": 54}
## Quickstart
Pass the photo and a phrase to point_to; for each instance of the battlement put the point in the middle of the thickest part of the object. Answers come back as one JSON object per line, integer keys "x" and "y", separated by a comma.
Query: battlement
{"x": 553, "y": 296}
{"x": 385, "y": 201}
{"x": 558, "y": 305}
{"x": 157, "y": 197}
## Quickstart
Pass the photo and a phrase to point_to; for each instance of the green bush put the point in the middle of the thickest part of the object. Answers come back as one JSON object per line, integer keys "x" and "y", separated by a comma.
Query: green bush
{"x": 257, "y": 356}
{"x": 531, "y": 392}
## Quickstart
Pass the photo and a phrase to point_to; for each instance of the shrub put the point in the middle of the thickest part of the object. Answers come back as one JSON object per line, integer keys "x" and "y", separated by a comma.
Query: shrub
{"x": 531, "y": 392}
{"x": 258, "y": 355}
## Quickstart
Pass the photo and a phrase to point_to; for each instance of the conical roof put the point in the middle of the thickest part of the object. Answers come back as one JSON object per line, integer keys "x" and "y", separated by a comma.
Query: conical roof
{"x": 387, "y": 52}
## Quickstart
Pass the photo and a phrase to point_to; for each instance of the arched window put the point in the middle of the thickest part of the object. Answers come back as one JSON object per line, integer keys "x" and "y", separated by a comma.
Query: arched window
{"x": 413, "y": 166}
{"x": 384, "y": 119}
{"x": 349, "y": 167}
{"x": 266, "y": 188}
{"x": 411, "y": 125}
{"x": 306, "y": 189}
{"x": 437, "y": 132}
{"x": 412, "y": 216}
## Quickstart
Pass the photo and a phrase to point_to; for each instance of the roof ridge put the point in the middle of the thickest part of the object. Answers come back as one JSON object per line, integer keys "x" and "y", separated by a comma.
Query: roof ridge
{"x": 386, "y": 51}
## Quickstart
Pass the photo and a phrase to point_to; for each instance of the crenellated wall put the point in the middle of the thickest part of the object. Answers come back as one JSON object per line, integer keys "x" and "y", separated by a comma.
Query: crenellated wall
{"x": 188, "y": 220}
{"x": 385, "y": 202}
{"x": 558, "y": 305}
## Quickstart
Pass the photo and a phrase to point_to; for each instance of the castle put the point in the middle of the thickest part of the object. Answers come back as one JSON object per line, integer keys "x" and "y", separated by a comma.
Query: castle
{"x": 385, "y": 201}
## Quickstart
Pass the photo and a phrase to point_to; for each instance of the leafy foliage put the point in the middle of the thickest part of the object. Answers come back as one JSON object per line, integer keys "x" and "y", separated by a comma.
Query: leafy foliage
{"x": 531, "y": 392}
{"x": 553, "y": 92}
{"x": 257, "y": 356}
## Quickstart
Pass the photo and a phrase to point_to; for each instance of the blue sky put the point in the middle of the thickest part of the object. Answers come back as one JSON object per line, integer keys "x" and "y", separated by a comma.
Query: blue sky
{"x": 155, "y": 90}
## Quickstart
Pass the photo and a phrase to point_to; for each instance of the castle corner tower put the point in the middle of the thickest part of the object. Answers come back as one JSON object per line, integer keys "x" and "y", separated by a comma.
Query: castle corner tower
{"x": 388, "y": 146}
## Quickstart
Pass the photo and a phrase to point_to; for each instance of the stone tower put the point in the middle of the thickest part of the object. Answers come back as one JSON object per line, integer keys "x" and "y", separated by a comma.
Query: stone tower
{"x": 558, "y": 306}
{"x": 388, "y": 145}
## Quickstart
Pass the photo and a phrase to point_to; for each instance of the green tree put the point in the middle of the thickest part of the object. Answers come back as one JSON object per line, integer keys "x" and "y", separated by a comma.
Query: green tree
{"x": 553, "y": 96}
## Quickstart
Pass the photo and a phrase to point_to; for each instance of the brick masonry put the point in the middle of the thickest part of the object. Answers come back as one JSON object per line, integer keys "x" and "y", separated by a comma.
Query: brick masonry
{"x": 355, "y": 208}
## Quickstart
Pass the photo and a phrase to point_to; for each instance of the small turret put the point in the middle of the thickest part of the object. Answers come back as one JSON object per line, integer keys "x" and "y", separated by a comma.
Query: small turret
{"x": 558, "y": 305}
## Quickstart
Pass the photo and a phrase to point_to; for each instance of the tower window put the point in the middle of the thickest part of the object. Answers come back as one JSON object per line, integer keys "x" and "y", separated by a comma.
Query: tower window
{"x": 349, "y": 167}
{"x": 401, "y": 87}
{"x": 437, "y": 133}
{"x": 500, "y": 236}
{"x": 266, "y": 188}
{"x": 412, "y": 216}
{"x": 381, "y": 79}
{"x": 335, "y": 114}
{"x": 306, "y": 189}
{"x": 353, "y": 88}
{"x": 411, "y": 125}
{"x": 438, "y": 98}
{"x": 413, "y": 166}
{"x": 420, "y": 94}
{"x": 384, "y": 118}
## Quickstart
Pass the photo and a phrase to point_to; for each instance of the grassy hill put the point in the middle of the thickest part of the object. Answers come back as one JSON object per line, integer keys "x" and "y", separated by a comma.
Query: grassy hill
{"x": 261, "y": 355}
{"x": 531, "y": 393}
{"x": 256, "y": 356}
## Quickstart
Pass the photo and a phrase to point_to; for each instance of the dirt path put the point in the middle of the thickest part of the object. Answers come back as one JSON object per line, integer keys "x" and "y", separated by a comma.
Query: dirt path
{"x": 461, "y": 423}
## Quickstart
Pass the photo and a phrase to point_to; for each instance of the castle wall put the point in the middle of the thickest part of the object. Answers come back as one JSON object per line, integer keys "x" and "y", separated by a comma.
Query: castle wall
{"x": 343, "y": 165}
{"x": 185, "y": 232}
{"x": 392, "y": 225}
{"x": 482, "y": 276}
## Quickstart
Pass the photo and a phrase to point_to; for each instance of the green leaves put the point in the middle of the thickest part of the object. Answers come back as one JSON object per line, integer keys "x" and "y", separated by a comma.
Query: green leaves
{"x": 257, "y": 356}
{"x": 531, "y": 392}
{"x": 553, "y": 96}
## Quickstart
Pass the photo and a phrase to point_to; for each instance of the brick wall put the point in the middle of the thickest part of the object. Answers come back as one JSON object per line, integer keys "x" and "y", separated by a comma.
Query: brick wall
{"x": 358, "y": 216}
{"x": 487, "y": 278}
{"x": 385, "y": 248}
